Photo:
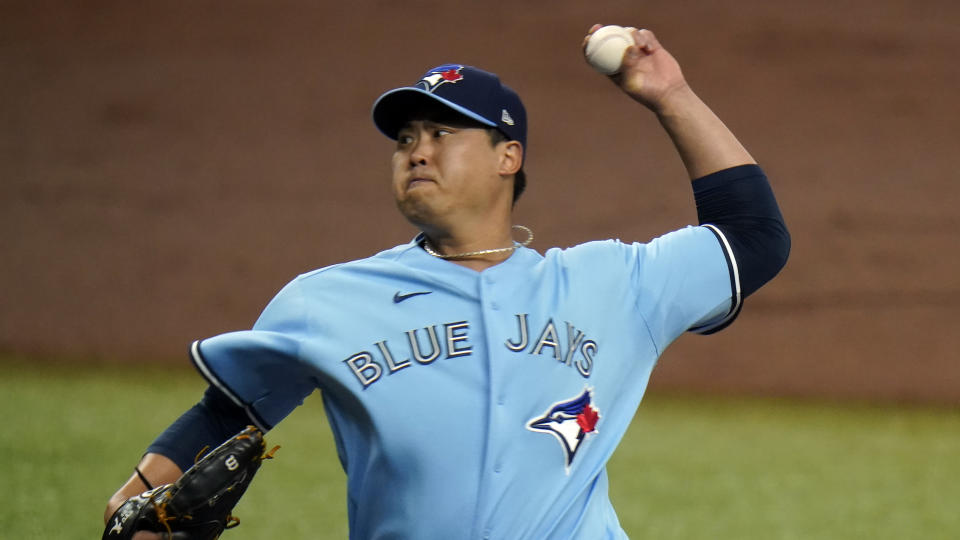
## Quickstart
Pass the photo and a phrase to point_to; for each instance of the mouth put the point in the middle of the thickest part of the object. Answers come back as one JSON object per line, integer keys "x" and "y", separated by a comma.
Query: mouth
{"x": 419, "y": 181}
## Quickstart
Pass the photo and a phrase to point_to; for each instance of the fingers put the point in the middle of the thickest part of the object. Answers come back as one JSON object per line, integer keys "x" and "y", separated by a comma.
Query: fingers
{"x": 646, "y": 45}
{"x": 590, "y": 32}
{"x": 646, "y": 41}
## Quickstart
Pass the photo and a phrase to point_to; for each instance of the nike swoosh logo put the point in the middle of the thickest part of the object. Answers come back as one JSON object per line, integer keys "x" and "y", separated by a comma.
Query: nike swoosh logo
{"x": 397, "y": 298}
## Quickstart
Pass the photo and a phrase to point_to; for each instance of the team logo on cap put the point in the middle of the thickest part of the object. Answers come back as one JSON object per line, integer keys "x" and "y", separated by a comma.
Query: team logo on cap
{"x": 448, "y": 73}
{"x": 570, "y": 421}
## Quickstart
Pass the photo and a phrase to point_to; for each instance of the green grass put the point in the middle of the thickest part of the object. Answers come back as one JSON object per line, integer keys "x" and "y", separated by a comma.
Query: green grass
{"x": 776, "y": 470}
{"x": 688, "y": 468}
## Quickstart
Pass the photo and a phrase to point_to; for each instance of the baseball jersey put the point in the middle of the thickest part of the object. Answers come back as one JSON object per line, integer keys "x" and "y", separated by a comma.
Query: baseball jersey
{"x": 471, "y": 404}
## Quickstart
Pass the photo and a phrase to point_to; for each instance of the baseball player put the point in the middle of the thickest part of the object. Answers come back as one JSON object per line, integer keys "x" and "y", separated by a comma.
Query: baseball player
{"x": 475, "y": 387}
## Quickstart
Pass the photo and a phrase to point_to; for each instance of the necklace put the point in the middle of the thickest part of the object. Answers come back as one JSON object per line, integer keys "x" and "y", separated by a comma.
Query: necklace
{"x": 431, "y": 251}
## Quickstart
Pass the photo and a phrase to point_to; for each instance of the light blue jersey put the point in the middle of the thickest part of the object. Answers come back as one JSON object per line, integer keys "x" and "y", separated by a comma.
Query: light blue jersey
{"x": 473, "y": 404}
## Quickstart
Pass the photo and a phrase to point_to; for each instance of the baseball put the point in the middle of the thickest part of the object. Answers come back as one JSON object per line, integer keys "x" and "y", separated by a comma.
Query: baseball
{"x": 606, "y": 46}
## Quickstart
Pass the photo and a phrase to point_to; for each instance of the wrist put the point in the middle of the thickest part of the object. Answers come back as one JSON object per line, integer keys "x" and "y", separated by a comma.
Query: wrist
{"x": 676, "y": 102}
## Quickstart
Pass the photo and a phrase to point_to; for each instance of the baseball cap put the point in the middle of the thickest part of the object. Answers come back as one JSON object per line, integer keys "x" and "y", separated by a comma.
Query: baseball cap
{"x": 470, "y": 91}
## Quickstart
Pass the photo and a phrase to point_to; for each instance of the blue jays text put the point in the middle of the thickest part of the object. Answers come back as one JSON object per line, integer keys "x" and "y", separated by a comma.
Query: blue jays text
{"x": 575, "y": 351}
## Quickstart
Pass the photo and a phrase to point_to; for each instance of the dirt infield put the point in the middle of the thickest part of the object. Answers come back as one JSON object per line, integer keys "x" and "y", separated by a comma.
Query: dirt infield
{"x": 166, "y": 169}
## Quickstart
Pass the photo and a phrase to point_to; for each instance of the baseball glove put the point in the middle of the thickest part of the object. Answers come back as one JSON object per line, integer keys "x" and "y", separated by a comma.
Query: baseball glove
{"x": 197, "y": 506}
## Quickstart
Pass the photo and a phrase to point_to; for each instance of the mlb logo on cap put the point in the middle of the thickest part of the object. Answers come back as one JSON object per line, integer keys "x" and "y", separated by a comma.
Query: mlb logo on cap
{"x": 470, "y": 91}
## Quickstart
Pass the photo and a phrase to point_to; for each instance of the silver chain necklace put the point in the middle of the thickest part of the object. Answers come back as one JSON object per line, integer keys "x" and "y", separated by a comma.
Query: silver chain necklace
{"x": 431, "y": 251}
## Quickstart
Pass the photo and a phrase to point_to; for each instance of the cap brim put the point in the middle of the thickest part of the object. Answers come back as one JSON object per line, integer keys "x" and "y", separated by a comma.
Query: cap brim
{"x": 392, "y": 110}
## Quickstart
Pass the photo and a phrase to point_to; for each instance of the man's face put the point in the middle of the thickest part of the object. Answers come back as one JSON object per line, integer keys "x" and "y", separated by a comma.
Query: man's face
{"x": 445, "y": 170}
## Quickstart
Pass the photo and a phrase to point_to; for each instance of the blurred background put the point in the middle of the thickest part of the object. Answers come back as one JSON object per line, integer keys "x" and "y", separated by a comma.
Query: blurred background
{"x": 165, "y": 167}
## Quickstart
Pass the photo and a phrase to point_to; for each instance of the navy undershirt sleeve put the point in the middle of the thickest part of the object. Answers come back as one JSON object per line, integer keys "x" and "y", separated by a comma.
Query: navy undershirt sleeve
{"x": 740, "y": 202}
{"x": 214, "y": 419}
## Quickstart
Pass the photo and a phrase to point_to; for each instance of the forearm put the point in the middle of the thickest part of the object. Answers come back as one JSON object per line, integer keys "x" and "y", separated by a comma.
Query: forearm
{"x": 208, "y": 423}
{"x": 704, "y": 142}
{"x": 650, "y": 75}
{"x": 157, "y": 469}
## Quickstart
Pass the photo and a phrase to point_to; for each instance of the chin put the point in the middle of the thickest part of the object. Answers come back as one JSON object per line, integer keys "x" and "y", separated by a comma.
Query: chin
{"x": 417, "y": 212}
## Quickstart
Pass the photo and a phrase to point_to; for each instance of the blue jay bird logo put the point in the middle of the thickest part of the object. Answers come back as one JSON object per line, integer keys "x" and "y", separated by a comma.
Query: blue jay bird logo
{"x": 570, "y": 422}
{"x": 447, "y": 73}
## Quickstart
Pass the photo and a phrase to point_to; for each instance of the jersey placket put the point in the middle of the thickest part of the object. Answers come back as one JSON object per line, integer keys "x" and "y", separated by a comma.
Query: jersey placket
{"x": 493, "y": 457}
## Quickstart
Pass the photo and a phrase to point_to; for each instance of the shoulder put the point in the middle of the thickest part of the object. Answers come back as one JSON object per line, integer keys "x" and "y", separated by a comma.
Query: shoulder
{"x": 386, "y": 260}
{"x": 597, "y": 262}
{"x": 331, "y": 283}
{"x": 615, "y": 253}
{"x": 591, "y": 252}
{"x": 593, "y": 247}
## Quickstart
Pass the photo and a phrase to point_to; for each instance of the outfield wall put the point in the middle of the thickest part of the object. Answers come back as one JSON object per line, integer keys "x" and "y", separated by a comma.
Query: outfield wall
{"x": 166, "y": 169}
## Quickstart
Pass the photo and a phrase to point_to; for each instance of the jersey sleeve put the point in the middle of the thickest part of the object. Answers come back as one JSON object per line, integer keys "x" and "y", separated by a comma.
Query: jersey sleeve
{"x": 261, "y": 369}
{"x": 686, "y": 281}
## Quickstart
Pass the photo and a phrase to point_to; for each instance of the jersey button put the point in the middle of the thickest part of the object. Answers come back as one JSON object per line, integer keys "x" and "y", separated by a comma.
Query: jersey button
{"x": 494, "y": 306}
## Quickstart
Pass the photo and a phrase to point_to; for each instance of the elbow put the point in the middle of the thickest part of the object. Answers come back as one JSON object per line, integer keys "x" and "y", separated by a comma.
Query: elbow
{"x": 761, "y": 255}
{"x": 780, "y": 247}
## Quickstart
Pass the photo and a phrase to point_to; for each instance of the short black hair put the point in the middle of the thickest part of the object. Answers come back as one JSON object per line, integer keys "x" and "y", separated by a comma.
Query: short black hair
{"x": 520, "y": 179}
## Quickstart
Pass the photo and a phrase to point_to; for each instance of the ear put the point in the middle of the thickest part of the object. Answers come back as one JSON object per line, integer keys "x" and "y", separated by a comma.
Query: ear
{"x": 511, "y": 157}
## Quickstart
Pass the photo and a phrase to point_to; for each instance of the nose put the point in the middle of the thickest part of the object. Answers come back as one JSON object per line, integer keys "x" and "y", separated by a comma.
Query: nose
{"x": 421, "y": 151}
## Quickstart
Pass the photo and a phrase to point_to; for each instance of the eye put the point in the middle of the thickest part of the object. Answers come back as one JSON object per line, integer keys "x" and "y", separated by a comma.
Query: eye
{"x": 440, "y": 132}
{"x": 404, "y": 139}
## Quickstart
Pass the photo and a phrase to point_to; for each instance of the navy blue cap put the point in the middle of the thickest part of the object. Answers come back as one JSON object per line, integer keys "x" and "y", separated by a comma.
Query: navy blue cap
{"x": 472, "y": 92}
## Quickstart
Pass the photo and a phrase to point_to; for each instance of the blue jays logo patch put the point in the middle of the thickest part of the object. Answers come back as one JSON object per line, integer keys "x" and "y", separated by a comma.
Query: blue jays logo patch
{"x": 447, "y": 73}
{"x": 570, "y": 422}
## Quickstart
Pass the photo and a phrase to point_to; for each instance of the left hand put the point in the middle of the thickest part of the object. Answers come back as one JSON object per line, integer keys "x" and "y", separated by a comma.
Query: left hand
{"x": 649, "y": 73}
